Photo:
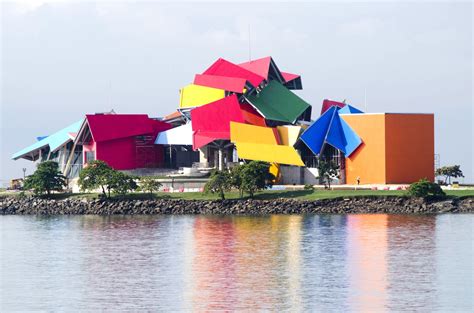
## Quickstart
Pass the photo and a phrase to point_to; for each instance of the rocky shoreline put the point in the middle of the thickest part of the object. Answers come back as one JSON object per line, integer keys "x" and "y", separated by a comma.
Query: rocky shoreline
{"x": 392, "y": 205}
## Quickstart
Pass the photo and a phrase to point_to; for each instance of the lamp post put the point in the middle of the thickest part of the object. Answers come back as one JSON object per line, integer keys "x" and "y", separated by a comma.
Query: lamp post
{"x": 24, "y": 173}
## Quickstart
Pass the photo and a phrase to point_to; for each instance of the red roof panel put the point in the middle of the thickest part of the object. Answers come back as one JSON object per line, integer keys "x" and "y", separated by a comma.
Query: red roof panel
{"x": 259, "y": 66}
{"x": 329, "y": 103}
{"x": 225, "y": 68}
{"x": 233, "y": 84}
{"x": 289, "y": 76}
{"x": 213, "y": 120}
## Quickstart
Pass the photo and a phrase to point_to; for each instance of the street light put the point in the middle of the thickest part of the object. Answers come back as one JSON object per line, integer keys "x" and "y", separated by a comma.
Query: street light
{"x": 24, "y": 172}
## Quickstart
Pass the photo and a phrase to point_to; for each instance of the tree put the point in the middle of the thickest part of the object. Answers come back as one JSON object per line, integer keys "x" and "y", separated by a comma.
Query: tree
{"x": 219, "y": 182}
{"x": 449, "y": 172}
{"x": 425, "y": 188}
{"x": 327, "y": 170}
{"x": 149, "y": 184}
{"x": 120, "y": 183}
{"x": 95, "y": 175}
{"x": 255, "y": 176}
{"x": 236, "y": 178}
{"x": 46, "y": 178}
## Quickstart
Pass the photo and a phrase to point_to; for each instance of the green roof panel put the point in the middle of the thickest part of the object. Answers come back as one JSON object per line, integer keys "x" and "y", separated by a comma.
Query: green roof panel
{"x": 278, "y": 103}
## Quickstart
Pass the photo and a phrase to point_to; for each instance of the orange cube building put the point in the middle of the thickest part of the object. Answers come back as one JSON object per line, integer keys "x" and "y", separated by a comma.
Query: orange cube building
{"x": 396, "y": 148}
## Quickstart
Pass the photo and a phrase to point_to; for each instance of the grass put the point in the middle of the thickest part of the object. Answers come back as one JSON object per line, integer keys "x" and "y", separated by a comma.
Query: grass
{"x": 265, "y": 195}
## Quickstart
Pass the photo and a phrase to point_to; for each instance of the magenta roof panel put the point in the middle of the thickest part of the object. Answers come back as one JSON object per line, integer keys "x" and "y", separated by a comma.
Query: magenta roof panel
{"x": 114, "y": 126}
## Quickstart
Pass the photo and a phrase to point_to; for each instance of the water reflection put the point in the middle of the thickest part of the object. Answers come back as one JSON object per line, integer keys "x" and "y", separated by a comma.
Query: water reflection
{"x": 296, "y": 263}
{"x": 367, "y": 262}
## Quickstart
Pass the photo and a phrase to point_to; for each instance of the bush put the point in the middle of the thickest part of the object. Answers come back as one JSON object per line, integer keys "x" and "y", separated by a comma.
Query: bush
{"x": 309, "y": 187}
{"x": 425, "y": 188}
{"x": 219, "y": 182}
{"x": 46, "y": 178}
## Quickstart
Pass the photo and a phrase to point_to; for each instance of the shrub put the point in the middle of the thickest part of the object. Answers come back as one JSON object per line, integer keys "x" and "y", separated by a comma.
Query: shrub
{"x": 425, "y": 188}
{"x": 46, "y": 178}
{"x": 308, "y": 187}
{"x": 219, "y": 182}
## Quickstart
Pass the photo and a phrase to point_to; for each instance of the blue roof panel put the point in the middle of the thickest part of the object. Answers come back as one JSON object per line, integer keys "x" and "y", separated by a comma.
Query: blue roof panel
{"x": 54, "y": 141}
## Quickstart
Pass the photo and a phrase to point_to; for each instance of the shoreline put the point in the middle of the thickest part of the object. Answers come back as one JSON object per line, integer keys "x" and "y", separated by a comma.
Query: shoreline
{"x": 342, "y": 205}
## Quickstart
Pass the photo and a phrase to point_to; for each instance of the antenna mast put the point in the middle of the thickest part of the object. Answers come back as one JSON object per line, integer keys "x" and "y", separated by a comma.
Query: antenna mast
{"x": 365, "y": 99}
{"x": 250, "y": 52}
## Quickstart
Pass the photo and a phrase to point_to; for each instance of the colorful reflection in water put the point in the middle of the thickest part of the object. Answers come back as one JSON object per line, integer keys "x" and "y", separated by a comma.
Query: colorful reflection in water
{"x": 359, "y": 263}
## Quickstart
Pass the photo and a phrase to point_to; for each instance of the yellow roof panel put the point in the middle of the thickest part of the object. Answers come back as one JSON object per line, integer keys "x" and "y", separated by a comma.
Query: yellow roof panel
{"x": 240, "y": 132}
{"x": 268, "y": 153}
{"x": 192, "y": 96}
{"x": 289, "y": 134}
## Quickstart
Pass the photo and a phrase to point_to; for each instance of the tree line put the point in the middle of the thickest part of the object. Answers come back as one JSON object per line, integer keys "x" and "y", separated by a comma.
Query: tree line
{"x": 96, "y": 176}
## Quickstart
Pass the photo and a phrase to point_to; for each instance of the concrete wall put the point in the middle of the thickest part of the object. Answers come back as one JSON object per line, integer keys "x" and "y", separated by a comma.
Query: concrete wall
{"x": 294, "y": 175}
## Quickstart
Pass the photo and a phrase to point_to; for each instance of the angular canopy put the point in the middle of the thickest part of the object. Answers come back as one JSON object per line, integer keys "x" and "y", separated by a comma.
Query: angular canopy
{"x": 268, "y": 153}
{"x": 289, "y": 134}
{"x": 181, "y": 135}
{"x": 233, "y": 84}
{"x": 264, "y": 67}
{"x": 276, "y": 102}
{"x": 332, "y": 129}
{"x": 349, "y": 109}
{"x": 194, "y": 95}
{"x": 225, "y": 68}
{"x": 292, "y": 81}
{"x": 104, "y": 127}
{"x": 253, "y": 134}
{"x": 262, "y": 144}
{"x": 212, "y": 122}
{"x": 330, "y": 103}
{"x": 55, "y": 141}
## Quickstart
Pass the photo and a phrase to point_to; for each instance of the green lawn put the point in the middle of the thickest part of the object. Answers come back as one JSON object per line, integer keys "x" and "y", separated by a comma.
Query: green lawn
{"x": 265, "y": 195}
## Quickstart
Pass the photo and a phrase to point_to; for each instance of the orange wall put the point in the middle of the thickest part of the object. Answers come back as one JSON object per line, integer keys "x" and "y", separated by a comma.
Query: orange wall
{"x": 409, "y": 148}
{"x": 368, "y": 161}
{"x": 396, "y": 148}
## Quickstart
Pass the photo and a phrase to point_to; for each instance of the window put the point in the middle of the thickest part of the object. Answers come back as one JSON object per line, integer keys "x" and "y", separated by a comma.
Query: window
{"x": 90, "y": 156}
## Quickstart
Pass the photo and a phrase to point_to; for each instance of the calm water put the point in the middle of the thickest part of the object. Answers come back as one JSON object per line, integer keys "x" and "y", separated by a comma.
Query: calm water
{"x": 181, "y": 263}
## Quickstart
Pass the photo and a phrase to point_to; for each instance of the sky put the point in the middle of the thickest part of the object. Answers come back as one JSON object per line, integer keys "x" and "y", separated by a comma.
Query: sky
{"x": 62, "y": 59}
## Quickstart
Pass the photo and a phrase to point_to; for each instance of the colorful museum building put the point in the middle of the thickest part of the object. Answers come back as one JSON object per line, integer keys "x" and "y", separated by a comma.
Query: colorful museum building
{"x": 234, "y": 113}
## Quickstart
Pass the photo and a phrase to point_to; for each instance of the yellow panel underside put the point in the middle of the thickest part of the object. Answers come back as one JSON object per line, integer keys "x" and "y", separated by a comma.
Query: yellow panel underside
{"x": 252, "y": 134}
{"x": 193, "y": 96}
{"x": 268, "y": 153}
{"x": 275, "y": 171}
{"x": 289, "y": 134}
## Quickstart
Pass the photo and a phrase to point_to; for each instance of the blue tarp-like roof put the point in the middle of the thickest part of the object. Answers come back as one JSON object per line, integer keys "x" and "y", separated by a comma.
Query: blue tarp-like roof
{"x": 54, "y": 141}
{"x": 332, "y": 129}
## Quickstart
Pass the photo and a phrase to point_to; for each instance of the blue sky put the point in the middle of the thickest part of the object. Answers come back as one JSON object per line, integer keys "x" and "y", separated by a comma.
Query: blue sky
{"x": 60, "y": 60}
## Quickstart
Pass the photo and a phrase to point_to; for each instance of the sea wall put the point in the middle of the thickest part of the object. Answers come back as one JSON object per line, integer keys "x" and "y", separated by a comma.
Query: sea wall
{"x": 395, "y": 205}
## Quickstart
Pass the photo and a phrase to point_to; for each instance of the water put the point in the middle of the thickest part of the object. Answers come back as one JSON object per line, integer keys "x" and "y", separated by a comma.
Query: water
{"x": 324, "y": 263}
